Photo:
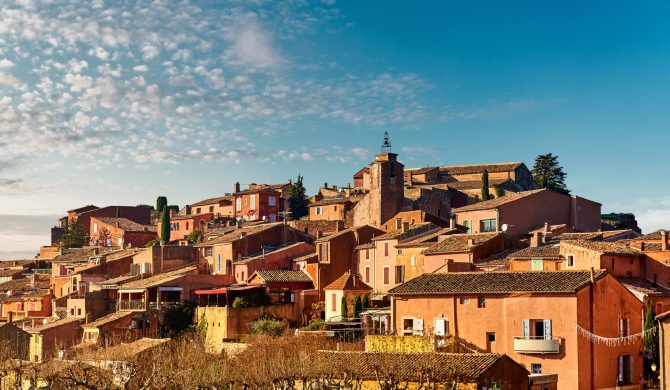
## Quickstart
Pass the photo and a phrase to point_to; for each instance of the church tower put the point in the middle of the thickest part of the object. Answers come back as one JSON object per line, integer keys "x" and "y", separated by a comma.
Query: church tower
{"x": 386, "y": 195}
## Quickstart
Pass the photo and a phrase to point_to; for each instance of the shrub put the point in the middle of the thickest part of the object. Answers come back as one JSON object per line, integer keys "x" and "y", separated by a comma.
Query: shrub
{"x": 240, "y": 302}
{"x": 316, "y": 324}
{"x": 268, "y": 326}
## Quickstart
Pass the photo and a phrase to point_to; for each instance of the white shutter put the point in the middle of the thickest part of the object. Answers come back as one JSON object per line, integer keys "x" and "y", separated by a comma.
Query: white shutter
{"x": 417, "y": 326}
{"x": 547, "y": 329}
{"x": 440, "y": 327}
{"x": 526, "y": 329}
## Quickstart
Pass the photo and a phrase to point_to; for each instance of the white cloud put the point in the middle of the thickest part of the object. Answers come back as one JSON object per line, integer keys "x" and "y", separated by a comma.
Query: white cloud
{"x": 9, "y": 80}
{"x": 5, "y": 63}
{"x": 140, "y": 68}
{"x": 252, "y": 45}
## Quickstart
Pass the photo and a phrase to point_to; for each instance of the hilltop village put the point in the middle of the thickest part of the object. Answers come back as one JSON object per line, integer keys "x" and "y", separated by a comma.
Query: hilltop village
{"x": 472, "y": 276}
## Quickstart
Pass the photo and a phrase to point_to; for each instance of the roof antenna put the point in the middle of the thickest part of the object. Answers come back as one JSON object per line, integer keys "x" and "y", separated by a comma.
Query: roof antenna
{"x": 386, "y": 146}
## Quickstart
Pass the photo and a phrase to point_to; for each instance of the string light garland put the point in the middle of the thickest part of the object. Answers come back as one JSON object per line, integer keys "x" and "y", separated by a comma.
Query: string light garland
{"x": 614, "y": 341}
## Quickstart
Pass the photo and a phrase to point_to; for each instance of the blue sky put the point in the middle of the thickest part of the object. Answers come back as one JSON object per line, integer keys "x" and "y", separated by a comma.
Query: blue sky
{"x": 118, "y": 102}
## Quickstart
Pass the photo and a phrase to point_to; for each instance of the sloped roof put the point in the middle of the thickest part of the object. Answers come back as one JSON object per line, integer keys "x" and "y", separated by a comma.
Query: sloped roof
{"x": 212, "y": 200}
{"x": 428, "y": 239}
{"x": 479, "y": 168}
{"x": 643, "y": 286}
{"x": 270, "y": 251}
{"x": 309, "y": 258}
{"x": 456, "y": 243}
{"x": 604, "y": 247}
{"x": 234, "y": 235}
{"x": 653, "y": 236}
{"x": 629, "y": 233}
{"x": 117, "y": 280}
{"x": 414, "y": 231}
{"x": 474, "y": 184}
{"x": 126, "y": 224}
{"x": 25, "y": 284}
{"x": 117, "y": 315}
{"x": 348, "y": 282}
{"x": 257, "y": 190}
{"x": 509, "y": 197}
{"x": 497, "y": 282}
{"x": 285, "y": 276}
{"x": 329, "y": 201}
{"x": 408, "y": 366}
{"x": 158, "y": 279}
{"x": 80, "y": 255}
{"x": 579, "y": 236}
{"x": 53, "y": 324}
{"x": 543, "y": 251}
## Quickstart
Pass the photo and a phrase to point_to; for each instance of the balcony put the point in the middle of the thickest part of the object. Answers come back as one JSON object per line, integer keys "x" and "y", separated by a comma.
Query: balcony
{"x": 537, "y": 345}
{"x": 132, "y": 305}
{"x": 162, "y": 305}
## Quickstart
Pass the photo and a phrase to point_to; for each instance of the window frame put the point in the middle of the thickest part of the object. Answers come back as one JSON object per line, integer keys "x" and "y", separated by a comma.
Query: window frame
{"x": 568, "y": 258}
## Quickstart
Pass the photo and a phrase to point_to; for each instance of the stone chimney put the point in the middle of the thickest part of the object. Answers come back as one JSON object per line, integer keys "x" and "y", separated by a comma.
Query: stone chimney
{"x": 236, "y": 187}
{"x": 547, "y": 226}
{"x": 452, "y": 222}
{"x": 325, "y": 184}
{"x": 471, "y": 242}
{"x": 405, "y": 227}
{"x": 664, "y": 240}
{"x": 537, "y": 239}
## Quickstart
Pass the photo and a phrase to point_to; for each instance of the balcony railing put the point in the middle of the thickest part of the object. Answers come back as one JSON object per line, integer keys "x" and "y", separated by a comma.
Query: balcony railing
{"x": 162, "y": 305}
{"x": 537, "y": 344}
{"x": 132, "y": 305}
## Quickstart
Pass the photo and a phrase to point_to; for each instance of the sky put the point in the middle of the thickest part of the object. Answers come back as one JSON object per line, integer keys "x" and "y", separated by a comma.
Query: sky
{"x": 117, "y": 102}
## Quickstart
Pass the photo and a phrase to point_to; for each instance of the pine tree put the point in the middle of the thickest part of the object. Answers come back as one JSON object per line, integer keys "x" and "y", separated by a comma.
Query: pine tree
{"x": 650, "y": 341}
{"x": 547, "y": 173}
{"x": 343, "y": 309}
{"x": 485, "y": 185}
{"x": 74, "y": 236}
{"x": 165, "y": 225}
{"x": 298, "y": 199}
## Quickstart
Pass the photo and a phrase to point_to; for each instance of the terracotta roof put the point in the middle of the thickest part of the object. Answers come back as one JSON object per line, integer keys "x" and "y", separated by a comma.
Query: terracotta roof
{"x": 421, "y": 171}
{"x": 479, "y": 168}
{"x": 117, "y": 315}
{"x": 286, "y": 276}
{"x": 346, "y": 282}
{"x": 122, "y": 254}
{"x": 644, "y": 286}
{"x": 213, "y": 200}
{"x": 126, "y": 224}
{"x": 628, "y": 233}
{"x": 654, "y": 236}
{"x": 83, "y": 208}
{"x": 497, "y": 262}
{"x": 474, "y": 184}
{"x": 26, "y": 294}
{"x": 604, "y": 247}
{"x": 269, "y": 251}
{"x": 428, "y": 239}
{"x": 182, "y": 217}
{"x": 53, "y": 324}
{"x": 456, "y": 243}
{"x": 81, "y": 255}
{"x": 509, "y": 197}
{"x": 126, "y": 351}
{"x": 25, "y": 284}
{"x": 579, "y": 236}
{"x": 257, "y": 191}
{"x": 545, "y": 252}
{"x": 409, "y": 366}
{"x": 4, "y": 272}
{"x": 117, "y": 280}
{"x": 236, "y": 234}
{"x": 414, "y": 231}
{"x": 329, "y": 201}
{"x": 361, "y": 172}
{"x": 552, "y": 228}
{"x": 367, "y": 245}
{"x": 663, "y": 316}
{"x": 159, "y": 279}
{"x": 497, "y": 282}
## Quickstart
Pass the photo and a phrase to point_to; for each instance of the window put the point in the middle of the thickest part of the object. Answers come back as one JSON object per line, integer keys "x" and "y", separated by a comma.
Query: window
{"x": 367, "y": 254}
{"x": 252, "y": 199}
{"x": 324, "y": 252}
{"x": 441, "y": 327}
{"x": 400, "y": 251}
{"x": 197, "y": 211}
{"x": 536, "y": 329}
{"x": 386, "y": 249}
{"x": 399, "y": 274}
{"x": 412, "y": 261}
{"x": 367, "y": 274}
{"x": 208, "y": 251}
{"x": 536, "y": 368}
{"x": 491, "y": 337}
{"x": 211, "y": 209}
{"x": 238, "y": 204}
{"x": 335, "y": 208}
{"x": 95, "y": 227}
{"x": 387, "y": 276}
{"x": 229, "y": 267}
{"x": 488, "y": 225}
{"x": 537, "y": 265}
{"x": 626, "y": 369}
{"x": 272, "y": 201}
{"x": 219, "y": 262}
{"x": 186, "y": 225}
{"x": 333, "y": 302}
{"x": 624, "y": 327}
{"x": 246, "y": 202}
{"x": 570, "y": 259}
{"x": 468, "y": 226}
{"x": 481, "y": 302}
{"x": 464, "y": 300}
{"x": 318, "y": 210}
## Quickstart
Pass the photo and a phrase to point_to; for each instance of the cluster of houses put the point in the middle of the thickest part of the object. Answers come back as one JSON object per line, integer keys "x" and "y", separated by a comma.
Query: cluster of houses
{"x": 530, "y": 274}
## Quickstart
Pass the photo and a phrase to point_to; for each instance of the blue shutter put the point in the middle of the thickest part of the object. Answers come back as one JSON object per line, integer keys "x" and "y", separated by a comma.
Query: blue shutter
{"x": 526, "y": 329}
{"x": 547, "y": 329}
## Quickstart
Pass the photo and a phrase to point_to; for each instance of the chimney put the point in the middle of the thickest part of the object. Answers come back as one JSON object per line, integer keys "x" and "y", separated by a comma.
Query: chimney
{"x": 664, "y": 240}
{"x": 471, "y": 242}
{"x": 405, "y": 227}
{"x": 236, "y": 187}
{"x": 355, "y": 281}
{"x": 339, "y": 226}
{"x": 547, "y": 226}
{"x": 32, "y": 280}
{"x": 452, "y": 222}
{"x": 325, "y": 184}
{"x": 319, "y": 234}
{"x": 398, "y": 223}
{"x": 536, "y": 239}
{"x": 10, "y": 317}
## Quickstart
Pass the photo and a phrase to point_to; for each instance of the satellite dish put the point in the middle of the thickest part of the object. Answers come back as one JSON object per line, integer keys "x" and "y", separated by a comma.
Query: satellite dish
{"x": 504, "y": 227}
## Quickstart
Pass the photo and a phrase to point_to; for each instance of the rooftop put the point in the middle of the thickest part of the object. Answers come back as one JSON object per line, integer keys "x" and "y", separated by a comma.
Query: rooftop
{"x": 479, "y": 168}
{"x": 497, "y": 282}
{"x": 53, "y": 324}
{"x": 643, "y": 286}
{"x": 544, "y": 251}
{"x": 456, "y": 243}
{"x": 159, "y": 279}
{"x": 580, "y": 236}
{"x": 414, "y": 231}
{"x": 117, "y": 315}
{"x": 509, "y": 197}
{"x": 604, "y": 247}
{"x": 212, "y": 201}
{"x": 126, "y": 224}
{"x": 236, "y": 234}
{"x": 81, "y": 255}
{"x": 348, "y": 282}
{"x": 26, "y": 284}
{"x": 269, "y": 251}
{"x": 284, "y": 276}
{"x": 427, "y": 239}
{"x": 653, "y": 236}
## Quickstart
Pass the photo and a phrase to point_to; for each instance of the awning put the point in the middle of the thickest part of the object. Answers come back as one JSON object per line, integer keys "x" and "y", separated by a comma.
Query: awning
{"x": 161, "y": 288}
{"x": 225, "y": 290}
{"x": 132, "y": 291}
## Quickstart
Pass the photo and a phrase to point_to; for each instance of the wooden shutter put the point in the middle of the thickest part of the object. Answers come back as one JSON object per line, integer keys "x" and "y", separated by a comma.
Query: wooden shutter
{"x": 526, "y": 329}
{"x": 417, "y": 326}
{"x": 547, "y": 329}
{"x": 440, "y": 327}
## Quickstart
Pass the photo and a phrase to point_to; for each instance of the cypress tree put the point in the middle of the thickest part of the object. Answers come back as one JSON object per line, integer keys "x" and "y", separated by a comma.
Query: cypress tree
{"x": 165, "y": 225}
{"x": 358, "y": 306}
{"x": 343, "y": 309}
{"x": 364, "y": 302}
{"x": 650, "y": 340}
{"x": 161, "y": 202}
{"x": 298, "y": 199}
{"x": 485, "y": 185}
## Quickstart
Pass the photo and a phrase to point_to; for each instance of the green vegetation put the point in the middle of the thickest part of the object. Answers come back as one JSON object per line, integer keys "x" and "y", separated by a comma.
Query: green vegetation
{"x": 498, "y": 191}
{"x": 268, "y": 326}
{"x": 165, "y": 225}
{"x": 240, "y": 302}
{"x": 178, "y": 319}
{"x": 365, "y": 302}
{"x": 547, "y": 173}
{"x": 74, "y": 236}
{"x": 485, "y": 185}
{"x": 316, "y": 324}
{"x": 650, "y": 341}
{"x": 358, "y": 306}
{"x": 195, "y": 236}
{"x": 343, "y": 309}
{"x": 298, "y": 199}
{"x": 161, "y": 202}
